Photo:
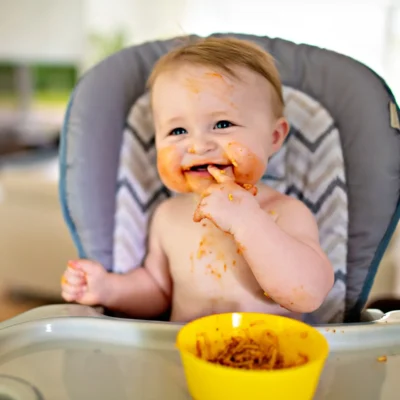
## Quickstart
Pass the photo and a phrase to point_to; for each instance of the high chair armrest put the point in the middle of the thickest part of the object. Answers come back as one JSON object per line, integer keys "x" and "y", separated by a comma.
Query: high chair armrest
{"x": 53, "y": 311}
{"x": 371, "y": 314}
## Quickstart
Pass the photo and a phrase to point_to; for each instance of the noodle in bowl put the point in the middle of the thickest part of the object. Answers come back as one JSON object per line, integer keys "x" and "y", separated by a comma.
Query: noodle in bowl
{"x": 251, "y": 356}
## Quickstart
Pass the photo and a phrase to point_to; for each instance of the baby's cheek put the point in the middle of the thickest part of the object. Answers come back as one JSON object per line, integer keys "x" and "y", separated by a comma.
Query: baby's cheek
{"x": 169, "y": 168}
{"x": 248, "y": 167}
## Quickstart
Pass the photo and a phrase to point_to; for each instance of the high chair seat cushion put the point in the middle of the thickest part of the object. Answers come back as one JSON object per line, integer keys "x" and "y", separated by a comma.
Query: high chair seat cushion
{"x": 357, "y": 100}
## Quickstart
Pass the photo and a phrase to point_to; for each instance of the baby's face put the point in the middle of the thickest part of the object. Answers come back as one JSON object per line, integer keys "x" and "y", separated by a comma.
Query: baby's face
{"x": 205, "y": 117}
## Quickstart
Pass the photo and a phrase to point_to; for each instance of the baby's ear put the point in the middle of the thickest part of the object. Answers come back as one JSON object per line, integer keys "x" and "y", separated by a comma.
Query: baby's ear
{"x": 279, "y": 134}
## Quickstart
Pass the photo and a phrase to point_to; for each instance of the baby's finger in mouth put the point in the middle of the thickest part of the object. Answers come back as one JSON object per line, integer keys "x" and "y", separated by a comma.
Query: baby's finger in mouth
{"x": 219, "y": 175}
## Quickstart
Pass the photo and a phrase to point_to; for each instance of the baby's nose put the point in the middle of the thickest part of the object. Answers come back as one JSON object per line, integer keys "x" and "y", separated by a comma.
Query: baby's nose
{"x": 201, "y": 145}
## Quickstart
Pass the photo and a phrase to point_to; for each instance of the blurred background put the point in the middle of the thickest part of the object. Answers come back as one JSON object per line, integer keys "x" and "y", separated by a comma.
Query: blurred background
{"x": 46, "y": 45}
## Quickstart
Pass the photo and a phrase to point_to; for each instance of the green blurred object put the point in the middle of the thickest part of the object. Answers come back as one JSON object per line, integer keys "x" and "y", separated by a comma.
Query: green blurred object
{"x": 54, "y": 78}
{"x": 52, "y": 84}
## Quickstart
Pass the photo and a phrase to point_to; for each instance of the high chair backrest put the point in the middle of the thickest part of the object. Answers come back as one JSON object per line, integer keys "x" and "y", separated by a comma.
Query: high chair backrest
{"x": 342, "y": 158}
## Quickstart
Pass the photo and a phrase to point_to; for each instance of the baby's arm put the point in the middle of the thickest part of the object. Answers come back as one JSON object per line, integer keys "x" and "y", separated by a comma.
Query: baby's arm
{"x": 142, "y": 293}
{"x": 285, "y": 256}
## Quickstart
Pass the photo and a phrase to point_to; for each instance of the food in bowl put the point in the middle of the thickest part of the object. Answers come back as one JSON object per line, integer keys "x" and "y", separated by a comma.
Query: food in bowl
{"x": 245, "y": 352}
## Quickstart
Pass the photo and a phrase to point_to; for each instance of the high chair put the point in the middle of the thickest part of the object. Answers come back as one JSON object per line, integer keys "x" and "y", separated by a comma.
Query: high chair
{"x": 342, "y": 159}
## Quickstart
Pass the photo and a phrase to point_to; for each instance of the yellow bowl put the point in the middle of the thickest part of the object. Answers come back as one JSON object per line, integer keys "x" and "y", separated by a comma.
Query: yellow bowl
{"x": 209, "y": 381}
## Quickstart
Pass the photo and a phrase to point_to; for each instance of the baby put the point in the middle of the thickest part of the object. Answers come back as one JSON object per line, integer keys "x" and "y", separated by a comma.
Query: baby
{"x": 226, "y": 242}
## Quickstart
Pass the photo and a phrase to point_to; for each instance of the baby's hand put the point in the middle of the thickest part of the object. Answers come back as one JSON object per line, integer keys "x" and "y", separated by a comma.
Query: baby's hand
{"x": 84, "y": 282}
{"x": 223, "y": 202}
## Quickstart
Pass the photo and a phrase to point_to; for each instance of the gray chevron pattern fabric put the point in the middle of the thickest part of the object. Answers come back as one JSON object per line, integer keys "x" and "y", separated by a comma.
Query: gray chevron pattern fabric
{"x": 309, "y": 166}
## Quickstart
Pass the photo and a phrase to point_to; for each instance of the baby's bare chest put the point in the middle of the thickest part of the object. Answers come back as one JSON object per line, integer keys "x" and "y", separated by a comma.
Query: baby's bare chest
{"x": 206, "y": 260}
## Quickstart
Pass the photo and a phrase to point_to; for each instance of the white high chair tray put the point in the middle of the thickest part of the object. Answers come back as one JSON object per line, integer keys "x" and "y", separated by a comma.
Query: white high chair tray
{"x": 71, "y": 352}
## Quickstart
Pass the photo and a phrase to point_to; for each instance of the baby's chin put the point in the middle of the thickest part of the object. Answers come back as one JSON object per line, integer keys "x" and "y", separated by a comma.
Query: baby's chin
{"x": 196, "y": 186}
{"x": 199, "y": 186}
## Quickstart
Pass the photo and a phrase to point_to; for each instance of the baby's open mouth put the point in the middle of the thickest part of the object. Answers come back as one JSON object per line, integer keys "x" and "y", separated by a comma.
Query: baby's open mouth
{"x": 204, "y": 167}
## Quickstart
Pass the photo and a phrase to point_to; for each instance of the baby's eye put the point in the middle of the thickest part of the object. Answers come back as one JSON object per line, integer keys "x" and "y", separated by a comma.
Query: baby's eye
{"x": 223, "y": 125}
{"x": 178, "y": 131}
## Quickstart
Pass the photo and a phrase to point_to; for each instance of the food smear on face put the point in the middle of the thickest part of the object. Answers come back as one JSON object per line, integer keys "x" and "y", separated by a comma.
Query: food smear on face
{"x": 213, "y": 75}
{"x": 175, "y": 178}
{"x": 248, "y": 168}
{"x": 245, "y": 352}
{"x": 169, "y": 168}
{"x": 193, "y": 85}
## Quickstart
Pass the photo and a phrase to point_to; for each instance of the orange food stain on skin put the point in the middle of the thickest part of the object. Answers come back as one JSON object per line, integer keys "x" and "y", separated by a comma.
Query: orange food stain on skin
{"x": 172, "y": 175}
{"x": 64, "y": 280}
{"x": 273, "y": 214}
{"x": 230, "y": 197}
{"x": 225, "y": 267}
{"x": 193, "y": 85}
{"x": 213, "y": 75}
{"x": 210, "y": 218}
{"x": 213, "y": 271}
{"x": 248, "y": 168}
{"x": 299, "y": 294}
{"x": 201, "y": 251}
{"x": 240, "y": 248}
{"x": 191, "y": 150}
{"x": 234, "y": 262}
{"x": 169, "y": 169}
{"x": 197, "y": 184}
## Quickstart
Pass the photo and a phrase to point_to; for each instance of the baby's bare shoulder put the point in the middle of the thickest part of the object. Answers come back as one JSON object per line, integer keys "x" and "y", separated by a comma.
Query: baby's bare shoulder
{"x": 172, "y": 209}
{"x": 289, "y": 212}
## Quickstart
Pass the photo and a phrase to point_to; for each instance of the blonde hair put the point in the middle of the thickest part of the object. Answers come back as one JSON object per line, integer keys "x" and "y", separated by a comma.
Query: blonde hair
{"x": 223, "y": 54}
